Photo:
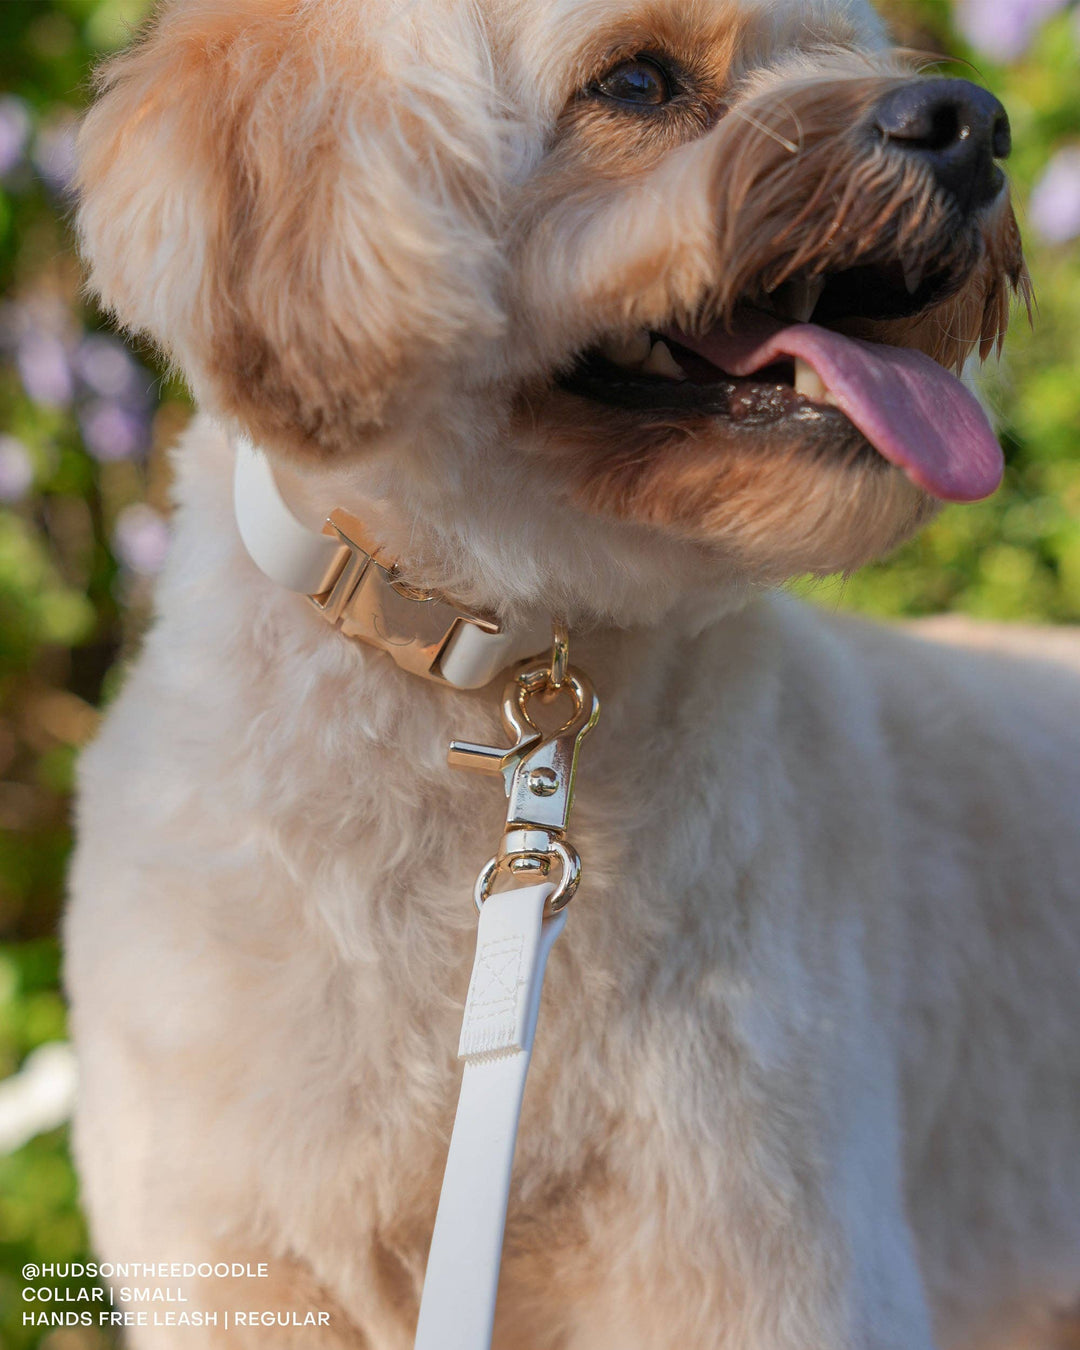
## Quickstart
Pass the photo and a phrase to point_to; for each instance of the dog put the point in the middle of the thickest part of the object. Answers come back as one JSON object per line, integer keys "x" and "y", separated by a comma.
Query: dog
{"x": 623, "y": 312}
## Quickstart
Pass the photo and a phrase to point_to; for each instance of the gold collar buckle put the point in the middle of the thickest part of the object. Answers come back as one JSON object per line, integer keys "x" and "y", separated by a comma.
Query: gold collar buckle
{"x": 366, "y": 600}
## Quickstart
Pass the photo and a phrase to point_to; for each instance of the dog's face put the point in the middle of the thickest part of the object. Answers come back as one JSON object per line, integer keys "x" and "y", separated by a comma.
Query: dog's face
{"x": 548, "y": 262}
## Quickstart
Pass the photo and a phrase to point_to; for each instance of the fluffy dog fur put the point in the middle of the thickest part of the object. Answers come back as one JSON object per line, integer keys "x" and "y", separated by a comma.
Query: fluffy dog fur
{"x": 807, "y": 1072}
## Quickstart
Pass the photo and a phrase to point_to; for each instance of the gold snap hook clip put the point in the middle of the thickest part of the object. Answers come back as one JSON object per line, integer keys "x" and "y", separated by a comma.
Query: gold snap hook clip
{"x": 538, "y": 772}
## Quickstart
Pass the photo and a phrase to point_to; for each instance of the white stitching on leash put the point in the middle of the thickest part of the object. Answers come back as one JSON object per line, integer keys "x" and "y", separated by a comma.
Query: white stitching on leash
{"x": 501, "y": 973}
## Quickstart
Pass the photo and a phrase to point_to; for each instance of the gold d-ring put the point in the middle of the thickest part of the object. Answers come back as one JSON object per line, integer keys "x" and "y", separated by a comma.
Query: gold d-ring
{"x": 563, "y": 893}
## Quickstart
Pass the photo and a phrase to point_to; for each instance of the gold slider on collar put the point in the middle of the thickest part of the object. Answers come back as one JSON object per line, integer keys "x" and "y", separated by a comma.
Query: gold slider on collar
{"x": 366, "y": 600}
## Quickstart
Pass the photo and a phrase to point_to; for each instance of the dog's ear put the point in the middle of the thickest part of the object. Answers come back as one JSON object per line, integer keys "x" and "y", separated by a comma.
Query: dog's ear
{"x": 295, "y": 199}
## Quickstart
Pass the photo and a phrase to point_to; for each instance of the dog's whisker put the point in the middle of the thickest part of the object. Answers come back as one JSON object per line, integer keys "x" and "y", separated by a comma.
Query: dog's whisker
{"x": 746, "y": 116}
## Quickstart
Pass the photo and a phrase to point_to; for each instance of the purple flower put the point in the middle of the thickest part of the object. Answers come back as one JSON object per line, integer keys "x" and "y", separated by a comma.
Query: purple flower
{"x": 14, "y": 132}
{"x": 1055, "y": 199}
{"x": 54, "y": 155}
{"x": 113, "y": 430}
{"x": 38, "y": 313}
{"x": 16, "y": 470}
{"x": 104, "y": 364}
{"x": 44, "y": 368}
{"x": 1003, "y": 29}
{"x": 141, "y": 539}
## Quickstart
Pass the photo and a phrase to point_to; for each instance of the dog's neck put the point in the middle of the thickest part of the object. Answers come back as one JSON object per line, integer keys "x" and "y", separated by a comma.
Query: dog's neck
{"x": 333, "y": 555}
{"x": 366, "y": 594}
{"x": 333, "y": 735}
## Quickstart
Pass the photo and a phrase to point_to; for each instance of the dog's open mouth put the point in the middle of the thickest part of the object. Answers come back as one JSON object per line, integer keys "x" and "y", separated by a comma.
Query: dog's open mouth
{"x": 760, "y": 368}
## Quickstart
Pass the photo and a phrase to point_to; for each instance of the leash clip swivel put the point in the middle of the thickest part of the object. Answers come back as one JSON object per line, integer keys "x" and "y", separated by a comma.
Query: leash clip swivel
{"x": 538, "y": 771}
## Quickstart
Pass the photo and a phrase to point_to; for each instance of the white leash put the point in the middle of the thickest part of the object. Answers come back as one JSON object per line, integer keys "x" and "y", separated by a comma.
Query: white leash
{"x": 457, "y": 1310}
{"x": 362, "y": 594}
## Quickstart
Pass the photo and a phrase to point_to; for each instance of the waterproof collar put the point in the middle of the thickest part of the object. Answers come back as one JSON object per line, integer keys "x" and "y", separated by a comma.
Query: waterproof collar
{"x": 361, "y": 593}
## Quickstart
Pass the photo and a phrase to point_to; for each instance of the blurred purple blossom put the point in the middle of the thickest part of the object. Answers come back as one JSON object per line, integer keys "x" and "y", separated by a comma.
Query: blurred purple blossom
{"x": 16, "y": 469}
{"x": 108, "y": 369}
{"x": 39, "y": 332}
{"x": 141, "y": 539}
{"x": 44, "y": 368}
{"x": 1055, "y": 199}
{"x": 62, "y": 366}
{"x": 1003, "y": 29}
{"x": 113, "y": 430}
{"x": 54, "y": 154}
{"x": 39, "y": 312}
{"x": 14, "y": 132}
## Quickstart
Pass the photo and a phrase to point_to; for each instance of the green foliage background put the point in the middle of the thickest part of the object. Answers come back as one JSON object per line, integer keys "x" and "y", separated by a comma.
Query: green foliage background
{"x": 70, "y": 606}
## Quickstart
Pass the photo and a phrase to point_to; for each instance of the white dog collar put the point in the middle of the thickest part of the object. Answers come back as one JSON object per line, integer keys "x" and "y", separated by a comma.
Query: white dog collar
{"x": 362, "y": 594}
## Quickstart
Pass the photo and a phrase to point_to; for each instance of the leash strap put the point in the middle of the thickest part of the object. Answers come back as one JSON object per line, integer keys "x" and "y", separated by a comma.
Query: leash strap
{"x": 457, "y": 1308}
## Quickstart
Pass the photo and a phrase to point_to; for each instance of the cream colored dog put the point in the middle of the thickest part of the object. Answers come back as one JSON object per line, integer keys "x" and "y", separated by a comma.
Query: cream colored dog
{"x": 521, "y": 283}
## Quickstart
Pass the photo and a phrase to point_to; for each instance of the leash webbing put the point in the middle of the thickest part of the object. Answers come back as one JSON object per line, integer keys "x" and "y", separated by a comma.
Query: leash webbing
{"x": 457, "y": 1308}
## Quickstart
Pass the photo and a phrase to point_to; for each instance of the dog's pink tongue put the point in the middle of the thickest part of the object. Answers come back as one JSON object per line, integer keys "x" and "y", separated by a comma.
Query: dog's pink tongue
{"x": 910, "y": 409}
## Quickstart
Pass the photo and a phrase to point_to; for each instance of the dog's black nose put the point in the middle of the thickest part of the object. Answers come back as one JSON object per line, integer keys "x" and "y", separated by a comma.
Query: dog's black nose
{"x": 955, "y": 128}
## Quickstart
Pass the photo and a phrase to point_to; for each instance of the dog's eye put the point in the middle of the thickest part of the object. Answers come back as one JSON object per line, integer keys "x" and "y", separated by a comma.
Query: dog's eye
{"x": 640, "y": 81}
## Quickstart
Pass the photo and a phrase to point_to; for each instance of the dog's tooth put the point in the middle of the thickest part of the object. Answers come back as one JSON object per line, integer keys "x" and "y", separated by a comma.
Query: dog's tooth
{"x": 803, "y": 296}
{"x": 661, "y": 362}
{"x": 912, "y": 276}
{"x": 797, "y": 298}
{"x": 809, "y": 383}
{"x": 814, "y": 287}
{"x": 628, "y": 351}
